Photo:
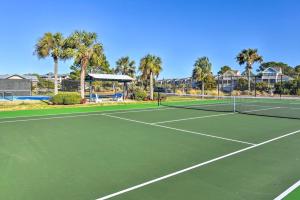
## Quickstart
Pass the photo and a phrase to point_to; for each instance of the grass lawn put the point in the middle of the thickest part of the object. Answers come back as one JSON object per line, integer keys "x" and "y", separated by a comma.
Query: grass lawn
{"x": 41, "y": 108}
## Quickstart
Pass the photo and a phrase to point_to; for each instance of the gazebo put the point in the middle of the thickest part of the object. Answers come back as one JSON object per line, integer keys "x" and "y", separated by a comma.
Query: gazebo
{"x": 91, "y": 77}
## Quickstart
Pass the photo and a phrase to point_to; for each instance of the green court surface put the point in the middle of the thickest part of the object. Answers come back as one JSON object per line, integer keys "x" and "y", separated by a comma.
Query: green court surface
{"x": 293, "y": 195}
{"x": 148, "y": 153}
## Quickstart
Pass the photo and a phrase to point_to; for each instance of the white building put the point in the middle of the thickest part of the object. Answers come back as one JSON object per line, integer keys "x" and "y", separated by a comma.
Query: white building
{"x": 273, "y": 75}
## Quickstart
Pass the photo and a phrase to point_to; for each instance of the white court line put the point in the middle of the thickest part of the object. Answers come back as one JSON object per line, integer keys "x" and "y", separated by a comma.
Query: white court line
{"x": 93, "y": 113}
{"x": 193, "y": 167}
{"x": 261, "y": 109}
{"x": 126, "y": 119}
{"x": 181, "y": 130}
{"x": 47, "y": 118}
{"x": 288, "y": 191}
{"x": 136, "y": 111}
{"x": 245, "y": 105}
{"x": 203, "y": 134}
{"x": 190, "y": 118}
{"x": 98, "y": 111}
{"x": 199, "y": 105}
{"x": 208, "y": 116}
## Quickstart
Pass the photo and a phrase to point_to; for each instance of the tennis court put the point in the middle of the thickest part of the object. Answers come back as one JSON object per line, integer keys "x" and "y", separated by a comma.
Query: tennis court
{"x": 167, "y": 152}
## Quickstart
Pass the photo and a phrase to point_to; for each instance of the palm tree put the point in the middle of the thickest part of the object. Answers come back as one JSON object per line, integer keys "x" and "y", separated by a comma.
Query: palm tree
{"x": 87, "y": 52}
{"x": 150, "y": 66}
{"x": 125, "y": 67}
{"x": 52, "y": 45}
{"x": 202, "y": 69}
{"x": 224, "y": 69}
{"x": 249, "y": 57}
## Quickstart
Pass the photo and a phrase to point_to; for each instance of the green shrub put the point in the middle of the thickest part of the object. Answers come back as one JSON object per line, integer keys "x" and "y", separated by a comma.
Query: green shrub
{"x": 58, "y": 99}
{"x": 262, "y": 87}
{"x": 72, "y": 99}
{"x": 140, "y": 94}
{"x": 66, "y": 98}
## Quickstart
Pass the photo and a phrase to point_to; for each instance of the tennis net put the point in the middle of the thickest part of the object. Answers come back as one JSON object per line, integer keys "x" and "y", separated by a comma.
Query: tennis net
{"x": 285, "y": 107}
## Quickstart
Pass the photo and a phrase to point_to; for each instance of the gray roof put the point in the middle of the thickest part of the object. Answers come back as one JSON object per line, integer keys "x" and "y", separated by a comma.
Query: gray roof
{"x": 5, "y": 76}
{"x": 51, "y": 75}
{"x": 111, "y": 77}
{"x": 28, "y": 77}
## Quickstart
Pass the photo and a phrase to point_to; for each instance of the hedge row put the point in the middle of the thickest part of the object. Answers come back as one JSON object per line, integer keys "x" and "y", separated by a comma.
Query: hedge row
{"x": 66, "y": 98}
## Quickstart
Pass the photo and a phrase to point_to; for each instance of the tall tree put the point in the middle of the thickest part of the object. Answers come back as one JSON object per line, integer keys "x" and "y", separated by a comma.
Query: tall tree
{"x": 52, "y": 45}
{"x": 202, "y": 69}
{"x": 150, "y": 67}
{"x": 103, "y": 68}
{"x": 249, "y": 57}
{"x": 224, "y": 69}
{"x": 87, "y": 52}
{"x": 125, "y": 66}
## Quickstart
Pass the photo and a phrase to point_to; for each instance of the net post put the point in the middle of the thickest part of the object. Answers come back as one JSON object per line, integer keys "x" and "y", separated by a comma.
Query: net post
{"x": 234, "y": 104}
{"x": 158, "y": 98}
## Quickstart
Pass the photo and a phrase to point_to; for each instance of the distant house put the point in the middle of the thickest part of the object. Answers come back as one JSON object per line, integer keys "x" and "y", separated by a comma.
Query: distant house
{"x": 176, "y": 82}
{"x": 273, "y": 75}
{"x": 228, "y": 80}
{"x": 50, "y": 76}
{"x": 34, "y": 79}
{"x": 245, "y": 74}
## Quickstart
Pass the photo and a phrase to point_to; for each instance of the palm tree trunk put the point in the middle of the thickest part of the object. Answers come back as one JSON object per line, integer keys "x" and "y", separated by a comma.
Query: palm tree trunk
{"x": 202, "y": 90}
{"x": 82, "y": 78}
{"x": 55, "y": 76}
{"x": 151, "y": 85}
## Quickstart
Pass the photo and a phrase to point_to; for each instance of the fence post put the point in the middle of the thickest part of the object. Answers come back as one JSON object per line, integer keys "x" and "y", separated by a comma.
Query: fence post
{"x": 231, "y": 90}
{"x": 281, "y": 88}
{"x": 123, "y": 91}
{"x": 158, "y": 98}
{"x": 30, "y": 87}
{"x": 218, "y": 85}
{"x": 255, "y": 85}
{"x": 298, "y": 87}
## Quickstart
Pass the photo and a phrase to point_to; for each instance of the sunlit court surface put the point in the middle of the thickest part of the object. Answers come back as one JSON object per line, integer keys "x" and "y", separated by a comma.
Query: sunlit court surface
{"x": 168, "y": 152}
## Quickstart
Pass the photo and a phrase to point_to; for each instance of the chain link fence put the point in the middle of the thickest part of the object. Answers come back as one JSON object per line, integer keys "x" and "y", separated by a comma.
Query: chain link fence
{"x": 10, "y": 87}
{"x": 277, "y": 85}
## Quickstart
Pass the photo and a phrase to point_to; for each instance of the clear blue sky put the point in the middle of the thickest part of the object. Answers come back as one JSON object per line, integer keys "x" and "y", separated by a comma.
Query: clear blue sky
{"x": 178, "y": 31}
